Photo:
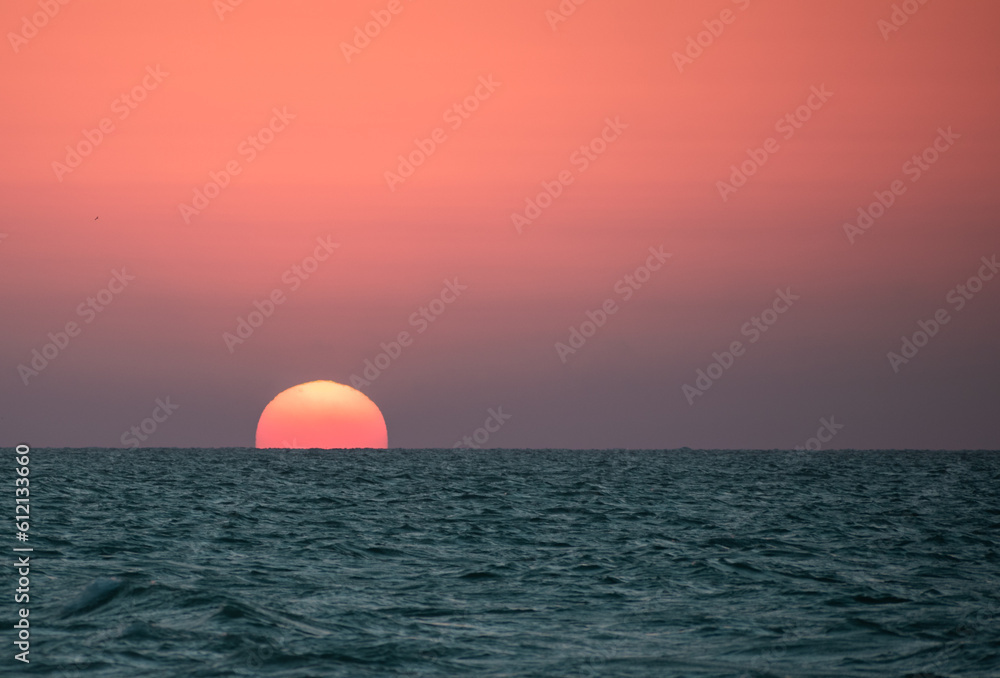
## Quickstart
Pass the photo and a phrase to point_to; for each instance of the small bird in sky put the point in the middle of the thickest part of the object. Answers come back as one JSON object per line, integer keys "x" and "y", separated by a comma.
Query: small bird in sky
{"x": 96, "y": 218}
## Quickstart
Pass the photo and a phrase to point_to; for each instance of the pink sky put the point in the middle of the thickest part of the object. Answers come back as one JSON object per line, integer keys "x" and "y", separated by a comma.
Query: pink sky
{"x": 319, "y": 171}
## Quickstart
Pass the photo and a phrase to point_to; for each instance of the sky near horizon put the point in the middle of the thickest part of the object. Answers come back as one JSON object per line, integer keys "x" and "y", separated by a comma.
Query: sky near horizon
{"x": 631, "y": 224}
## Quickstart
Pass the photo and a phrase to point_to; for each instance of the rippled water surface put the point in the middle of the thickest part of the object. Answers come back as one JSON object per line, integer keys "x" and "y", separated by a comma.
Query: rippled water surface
{"x": 514, "y": 563}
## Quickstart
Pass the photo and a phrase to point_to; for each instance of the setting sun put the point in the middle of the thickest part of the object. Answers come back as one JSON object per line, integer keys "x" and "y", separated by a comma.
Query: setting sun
{"x": 321, "y": 414}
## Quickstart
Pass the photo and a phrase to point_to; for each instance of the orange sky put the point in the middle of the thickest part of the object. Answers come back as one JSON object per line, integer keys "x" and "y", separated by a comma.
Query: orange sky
{"x": 551, "y": 90}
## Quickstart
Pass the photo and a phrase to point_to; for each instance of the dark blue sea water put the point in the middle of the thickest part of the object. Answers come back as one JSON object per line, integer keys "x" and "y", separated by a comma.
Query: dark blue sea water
{"x": 513, "y": 563}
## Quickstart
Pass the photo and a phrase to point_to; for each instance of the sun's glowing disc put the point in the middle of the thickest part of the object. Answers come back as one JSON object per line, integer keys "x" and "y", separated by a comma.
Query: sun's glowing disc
{"x": 322, "y": 414}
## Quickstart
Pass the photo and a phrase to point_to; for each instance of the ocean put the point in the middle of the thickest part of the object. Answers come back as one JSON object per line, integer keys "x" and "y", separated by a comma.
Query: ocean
{"x": 242, "y": 562}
